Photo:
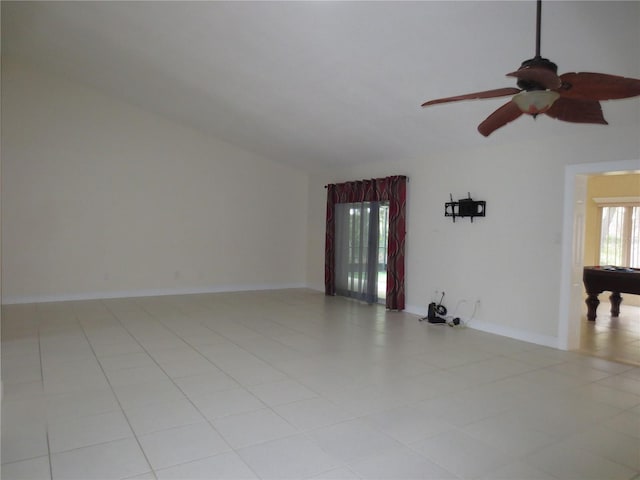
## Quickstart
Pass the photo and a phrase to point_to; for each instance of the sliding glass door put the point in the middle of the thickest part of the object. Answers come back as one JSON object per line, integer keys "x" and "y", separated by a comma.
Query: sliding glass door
{"x": 361, "y": 231}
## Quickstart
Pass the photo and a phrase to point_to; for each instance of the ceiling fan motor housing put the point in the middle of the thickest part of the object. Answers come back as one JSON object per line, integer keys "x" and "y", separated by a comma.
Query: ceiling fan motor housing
{"x": 528, "y": 84}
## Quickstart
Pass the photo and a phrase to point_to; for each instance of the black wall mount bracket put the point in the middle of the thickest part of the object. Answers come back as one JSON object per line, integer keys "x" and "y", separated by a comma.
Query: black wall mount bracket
{"x": 465, "y": 207}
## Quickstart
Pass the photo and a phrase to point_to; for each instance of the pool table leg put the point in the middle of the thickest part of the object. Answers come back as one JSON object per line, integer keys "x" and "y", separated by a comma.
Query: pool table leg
{"x": 592, "y": 305}
{"x": 615, "y": 300}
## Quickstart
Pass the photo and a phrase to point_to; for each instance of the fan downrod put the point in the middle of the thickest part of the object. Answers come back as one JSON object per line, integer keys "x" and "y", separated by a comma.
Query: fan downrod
{"x": 537, "y": 61}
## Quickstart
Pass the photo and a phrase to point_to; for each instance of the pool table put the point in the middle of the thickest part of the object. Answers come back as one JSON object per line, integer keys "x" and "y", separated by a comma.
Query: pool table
{"x": 616, "y": 280}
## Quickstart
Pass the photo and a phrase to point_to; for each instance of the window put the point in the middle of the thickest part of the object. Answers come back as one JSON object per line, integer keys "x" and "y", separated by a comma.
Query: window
{"x": 620, "y": 234}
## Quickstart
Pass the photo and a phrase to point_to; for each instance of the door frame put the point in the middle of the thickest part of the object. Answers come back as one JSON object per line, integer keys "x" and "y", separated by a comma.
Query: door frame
{"x": 573, "y": 243}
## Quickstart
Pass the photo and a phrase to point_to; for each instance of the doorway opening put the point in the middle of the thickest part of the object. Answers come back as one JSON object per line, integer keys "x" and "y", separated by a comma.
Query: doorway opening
{"x": 571, "y": 311}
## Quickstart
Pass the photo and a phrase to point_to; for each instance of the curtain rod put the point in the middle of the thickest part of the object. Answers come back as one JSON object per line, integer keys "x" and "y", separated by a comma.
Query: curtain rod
{"x": 405, "y": 176}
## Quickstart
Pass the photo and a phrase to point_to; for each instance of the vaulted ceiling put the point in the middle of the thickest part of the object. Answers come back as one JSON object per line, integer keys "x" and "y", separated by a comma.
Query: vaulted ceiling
{"x": 322, "y": 83}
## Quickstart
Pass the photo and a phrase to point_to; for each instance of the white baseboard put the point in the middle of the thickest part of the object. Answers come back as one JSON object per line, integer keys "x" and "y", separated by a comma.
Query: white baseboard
{"x": 496, "y": 329}
{"x": 514, "y": 333}
{"x": 415, "y": 310}
{"x": 12, "y": 300}
{"x": 488, "y": 327}
{"x": 319, "y": 287}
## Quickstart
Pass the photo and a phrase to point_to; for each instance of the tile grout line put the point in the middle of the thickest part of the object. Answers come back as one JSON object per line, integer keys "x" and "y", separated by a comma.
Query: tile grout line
{"x": 206, "y": 420}
{"x": 44, "y": 394}
{"x": 210, "y": 421}
{"x": 124, "y": 413}
{"x": 305, "y": 434}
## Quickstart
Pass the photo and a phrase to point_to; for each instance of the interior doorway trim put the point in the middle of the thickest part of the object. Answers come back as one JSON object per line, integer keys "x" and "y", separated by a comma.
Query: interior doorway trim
{"x": 573, "y": 244}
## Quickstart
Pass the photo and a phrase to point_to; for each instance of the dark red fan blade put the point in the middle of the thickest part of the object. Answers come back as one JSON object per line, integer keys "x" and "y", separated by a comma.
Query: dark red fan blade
{"x": 539, "y": 76}
{"x": 500, "y": 92}
{"x": 598, "y": 86}
{"x": 505, "y": 114}
{"x": 577, "y": 110}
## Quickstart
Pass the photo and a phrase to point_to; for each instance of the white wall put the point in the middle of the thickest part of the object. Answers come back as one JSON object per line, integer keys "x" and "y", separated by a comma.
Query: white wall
{"x": 100, "y": 199}
{"x": 510, "y": 259}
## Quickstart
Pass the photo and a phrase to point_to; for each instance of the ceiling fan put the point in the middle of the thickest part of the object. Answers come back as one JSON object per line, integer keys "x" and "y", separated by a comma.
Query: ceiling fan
{"x": 571, "y": 97}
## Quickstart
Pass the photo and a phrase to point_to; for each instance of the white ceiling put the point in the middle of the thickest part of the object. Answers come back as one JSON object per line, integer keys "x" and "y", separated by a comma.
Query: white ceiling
{"x": 319, "y": 83}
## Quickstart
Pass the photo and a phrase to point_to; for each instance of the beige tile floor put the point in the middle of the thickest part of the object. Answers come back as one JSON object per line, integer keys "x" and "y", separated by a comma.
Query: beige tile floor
{"x": 295, "y": 385}
{"x": 613, "y": 338}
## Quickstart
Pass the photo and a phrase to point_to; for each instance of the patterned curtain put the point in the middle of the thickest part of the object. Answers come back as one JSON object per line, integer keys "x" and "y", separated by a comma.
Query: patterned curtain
{"x": 391, "y": 189}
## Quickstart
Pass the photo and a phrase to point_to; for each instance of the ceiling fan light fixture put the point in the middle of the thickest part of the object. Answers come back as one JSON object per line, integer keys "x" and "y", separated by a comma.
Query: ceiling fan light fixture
{"x": 534, "y": 102}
